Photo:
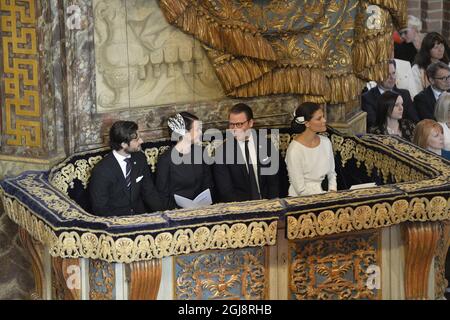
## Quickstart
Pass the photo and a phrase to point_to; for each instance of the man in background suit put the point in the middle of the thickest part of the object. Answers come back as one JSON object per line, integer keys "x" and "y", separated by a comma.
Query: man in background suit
{"x": 370, "y": 98}
{"x": 121, "y": 183}
{"x": 246, "y": 165}
{"x": 438, "y": 74}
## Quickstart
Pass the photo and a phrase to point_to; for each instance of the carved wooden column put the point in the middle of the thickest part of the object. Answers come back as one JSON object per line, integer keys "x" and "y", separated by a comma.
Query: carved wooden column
{"x": 439, "y": 265}
{"x": 420, "y": 239}
{"x": 145, "y": 278}
{"x": 67, "y": 278}
{"x": 35, "y": 250}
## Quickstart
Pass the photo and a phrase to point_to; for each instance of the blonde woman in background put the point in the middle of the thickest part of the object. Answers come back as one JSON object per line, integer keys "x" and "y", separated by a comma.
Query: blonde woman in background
{"x": 442, "y": 117}
{"x": 412, "y": 40}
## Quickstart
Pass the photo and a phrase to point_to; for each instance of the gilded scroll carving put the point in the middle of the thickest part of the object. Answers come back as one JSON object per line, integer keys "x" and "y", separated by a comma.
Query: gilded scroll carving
{"x": 333, "y": 268}
{"x": 237, "y": 274}
{"x": 322, "y": 50}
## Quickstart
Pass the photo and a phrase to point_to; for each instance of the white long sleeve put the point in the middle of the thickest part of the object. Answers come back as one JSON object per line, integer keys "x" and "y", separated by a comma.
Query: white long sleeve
{"x": 295, "y": 170}
{"x": 307, "y": 167}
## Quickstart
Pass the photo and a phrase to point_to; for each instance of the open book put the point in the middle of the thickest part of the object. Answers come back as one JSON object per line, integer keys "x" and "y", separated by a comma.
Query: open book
{"x": 203, "y": 199}
{"x": 363, "y": 185}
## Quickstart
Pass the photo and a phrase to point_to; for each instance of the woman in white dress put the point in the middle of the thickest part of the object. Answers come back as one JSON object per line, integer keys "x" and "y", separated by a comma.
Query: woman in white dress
{"x": 309, "y": 157}
{"x": 442, "y": 115}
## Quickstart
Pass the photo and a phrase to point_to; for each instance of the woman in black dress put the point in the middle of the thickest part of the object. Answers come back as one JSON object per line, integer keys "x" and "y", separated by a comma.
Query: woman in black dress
{"x": 182, "y": 170}
{"x": 390, "y": 119}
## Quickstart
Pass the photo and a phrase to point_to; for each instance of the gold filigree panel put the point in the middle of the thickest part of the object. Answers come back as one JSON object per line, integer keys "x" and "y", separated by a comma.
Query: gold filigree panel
{"x": 334, "y": 268}
{"x": 381, "y": 214}
{"x": 237, "y": 274}
{"x": 20, "y": 73}
{"x": 143, "y": 247}
{"x": 101, "y": 280}
{"x": 323, "y": 50}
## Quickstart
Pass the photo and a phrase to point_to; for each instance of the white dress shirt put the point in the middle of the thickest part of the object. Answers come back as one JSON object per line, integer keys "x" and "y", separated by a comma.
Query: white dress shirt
{"x": 121, "y": 160}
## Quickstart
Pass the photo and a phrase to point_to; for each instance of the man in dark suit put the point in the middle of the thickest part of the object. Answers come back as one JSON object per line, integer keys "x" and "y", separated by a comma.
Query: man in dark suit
{"x": 438, "y": 74}
{"x": 370, "y": 98}
{"x": 246, "y": 164}
{"x": 121, "y": 183}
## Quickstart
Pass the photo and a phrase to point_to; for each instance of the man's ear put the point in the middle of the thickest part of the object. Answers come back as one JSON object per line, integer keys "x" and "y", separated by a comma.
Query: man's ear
{"x": 123, "y": 145}
{"x": 250, "y": 123}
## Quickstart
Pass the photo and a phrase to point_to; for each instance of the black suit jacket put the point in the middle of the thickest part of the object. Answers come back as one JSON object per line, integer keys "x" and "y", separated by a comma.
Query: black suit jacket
{"x": 424, "y": 103}
{"x": 369, "y": 104}
{"x": 231, "y": 179}
{"x": 109, "y": 194}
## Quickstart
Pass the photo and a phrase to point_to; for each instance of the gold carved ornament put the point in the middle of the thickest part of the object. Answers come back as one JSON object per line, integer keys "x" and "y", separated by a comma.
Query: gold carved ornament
{"x": 215, "y": 275}
{"x": 21, "y": 73}
{"x": 333, "y": 268}
{"x": 81, "y": 243}
{"x": 348, "y": 218}
{"x": 325, "y": 51}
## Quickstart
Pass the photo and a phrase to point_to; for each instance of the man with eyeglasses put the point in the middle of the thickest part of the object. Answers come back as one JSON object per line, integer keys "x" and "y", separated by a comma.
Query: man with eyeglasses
{"x": 121, "y": 183}
{"x": 438, "y": 74}
{"x": 240, "y": 162}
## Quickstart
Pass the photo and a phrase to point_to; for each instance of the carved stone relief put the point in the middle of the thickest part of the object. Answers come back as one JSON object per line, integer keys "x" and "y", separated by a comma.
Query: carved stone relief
{"x": 141, "y": 60}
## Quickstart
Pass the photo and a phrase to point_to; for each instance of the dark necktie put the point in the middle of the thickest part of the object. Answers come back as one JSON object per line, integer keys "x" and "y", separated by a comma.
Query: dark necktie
{"x": 255, "y": 195}
{"x": 128, "y": 173}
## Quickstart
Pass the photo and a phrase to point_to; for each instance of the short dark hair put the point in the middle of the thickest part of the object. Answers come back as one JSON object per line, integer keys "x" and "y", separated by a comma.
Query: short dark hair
{"x": 122, "y": 131}
{"x": 434, "y": 68}
{"x": 306, "y": 110}
{"x": 385, "y": 106}
{"x": 242, "y": 107}
{"x": 392, "y": 61}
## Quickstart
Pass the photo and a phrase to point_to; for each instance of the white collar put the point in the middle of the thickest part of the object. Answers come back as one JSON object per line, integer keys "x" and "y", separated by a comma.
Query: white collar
{"x": 120, "y": 157}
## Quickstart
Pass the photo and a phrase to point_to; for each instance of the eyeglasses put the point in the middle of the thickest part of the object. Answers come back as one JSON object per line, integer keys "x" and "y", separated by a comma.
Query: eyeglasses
{"x": 443, "y": 78}
{"x": 237, "y": 124}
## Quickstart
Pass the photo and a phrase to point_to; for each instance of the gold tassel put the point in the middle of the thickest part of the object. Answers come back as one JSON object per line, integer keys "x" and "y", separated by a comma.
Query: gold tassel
{"x": 237, "y": 40}
{"x": 398, "y": 10}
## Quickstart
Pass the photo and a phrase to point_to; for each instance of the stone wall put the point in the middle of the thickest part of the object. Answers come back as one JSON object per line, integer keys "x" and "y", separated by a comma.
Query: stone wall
{"x": 435, "y": 15}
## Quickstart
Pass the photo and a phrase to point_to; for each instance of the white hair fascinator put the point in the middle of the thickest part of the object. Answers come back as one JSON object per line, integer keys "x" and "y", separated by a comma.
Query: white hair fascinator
{"x": 299, "y": 120}
{"x": 176, "y": 124}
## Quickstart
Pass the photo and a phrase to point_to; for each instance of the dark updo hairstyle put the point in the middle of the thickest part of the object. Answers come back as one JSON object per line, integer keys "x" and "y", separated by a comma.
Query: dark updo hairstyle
{"x": 423, "y": 57}
{"x": 306, "y": 110}
{"x": 385, "y": 106}
{"x": 189, "y": 119}
{"x": 122, "y": 131}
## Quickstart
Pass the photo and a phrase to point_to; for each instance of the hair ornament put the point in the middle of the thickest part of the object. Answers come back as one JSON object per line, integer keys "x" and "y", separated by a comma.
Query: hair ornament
{"x": 176, "y": 124}
{"x": 300, "y": 120}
